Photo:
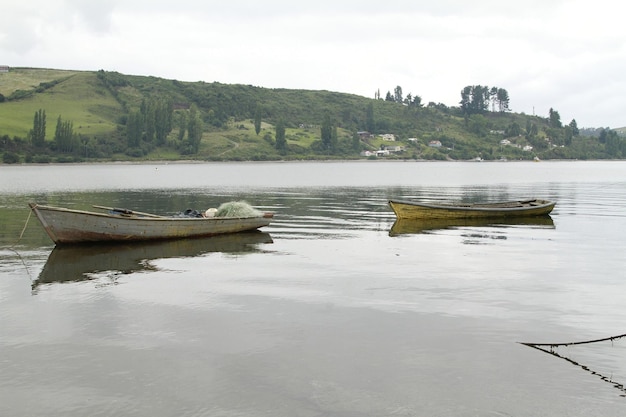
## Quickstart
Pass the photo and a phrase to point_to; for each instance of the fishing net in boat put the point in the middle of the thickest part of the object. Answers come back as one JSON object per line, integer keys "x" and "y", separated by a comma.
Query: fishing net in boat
{"x": 237, "y": 209}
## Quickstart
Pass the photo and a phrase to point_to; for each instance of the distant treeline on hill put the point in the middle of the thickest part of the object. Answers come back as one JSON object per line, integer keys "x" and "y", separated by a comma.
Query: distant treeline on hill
{"x": 106, "y": 115}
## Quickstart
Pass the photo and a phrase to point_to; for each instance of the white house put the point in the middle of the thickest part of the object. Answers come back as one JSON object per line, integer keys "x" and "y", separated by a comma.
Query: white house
{"x": 434, "y": 144}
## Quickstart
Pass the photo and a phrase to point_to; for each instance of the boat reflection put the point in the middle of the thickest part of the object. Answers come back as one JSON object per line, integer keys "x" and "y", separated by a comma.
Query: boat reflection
{"x": 80, "y": 262}
{"x": 409, "y": 226}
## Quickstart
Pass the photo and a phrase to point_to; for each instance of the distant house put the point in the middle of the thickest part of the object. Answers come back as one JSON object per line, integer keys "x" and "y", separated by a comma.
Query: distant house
{"x": 388, "y": 137}
{"x": 364, "y": 134}
{"x": 395, "y": 149}
{"x": 412, "y": 139}
{"x": 4, "y": 68}
{"x": 505, "y": 142}
{"x": 434, "y": 144}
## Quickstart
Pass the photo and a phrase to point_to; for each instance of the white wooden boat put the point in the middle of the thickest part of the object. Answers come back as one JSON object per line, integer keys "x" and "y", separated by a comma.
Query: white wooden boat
{"x": 507, "y": 209}
{"x": 75, "y": 226}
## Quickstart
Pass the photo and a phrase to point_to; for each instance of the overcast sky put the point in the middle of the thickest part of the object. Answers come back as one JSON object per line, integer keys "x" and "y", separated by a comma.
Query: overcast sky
{"x": 568, "y": 55}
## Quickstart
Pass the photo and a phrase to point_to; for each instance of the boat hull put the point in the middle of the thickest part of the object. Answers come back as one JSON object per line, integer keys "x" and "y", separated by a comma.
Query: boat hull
{"x": 76, "y": 226}
{"x": 510, "y": 209}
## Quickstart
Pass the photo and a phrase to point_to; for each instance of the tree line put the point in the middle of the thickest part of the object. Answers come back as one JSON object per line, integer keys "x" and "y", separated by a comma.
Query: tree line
{"x": 158, "y": 122}
{"x": 476, "y": 99}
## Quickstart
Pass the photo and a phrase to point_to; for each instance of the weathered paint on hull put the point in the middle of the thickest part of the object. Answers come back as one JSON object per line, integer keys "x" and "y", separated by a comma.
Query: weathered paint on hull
{"x": 410, "y": 210}
{"x": 74, "y": 226}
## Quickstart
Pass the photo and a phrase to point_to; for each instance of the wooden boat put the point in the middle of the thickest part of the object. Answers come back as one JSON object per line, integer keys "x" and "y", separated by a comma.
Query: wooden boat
{"x": 76, "y": 226}
{"x": 522, "y": 208}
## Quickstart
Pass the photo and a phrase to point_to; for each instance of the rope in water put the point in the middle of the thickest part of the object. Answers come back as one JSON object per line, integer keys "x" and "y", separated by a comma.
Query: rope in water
{"x": 611, "y": 338}
{"x": 12, "y": 247}
{"x": 24, "y": 229}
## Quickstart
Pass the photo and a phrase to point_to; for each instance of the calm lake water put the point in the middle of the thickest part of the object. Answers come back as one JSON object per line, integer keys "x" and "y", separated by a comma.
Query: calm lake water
{"x": 330, "y": 311}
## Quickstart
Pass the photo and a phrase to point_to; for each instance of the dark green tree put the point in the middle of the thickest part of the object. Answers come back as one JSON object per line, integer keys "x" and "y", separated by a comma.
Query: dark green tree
{"x": 397, "y": 94}
{"x": 134, "y": 129}
{"x": 613, "y": 143}
{"x": 64, "y": 137}
{"x": 574, "y": 126}
{"x": 568, "y": 134}
{"x": 194, "y": 129}
{"x": 555, "y": 119}
{"x": 163, "y": 110}
{"x": 474, "y": 99}
{"x": 327, "y": 133}
{"x": 514, "y": 129}
{"x": 257, "y": 120}
{"x": 149, "y": 118}
{"x": 281, "y": 141}
{"x": 369, "y": 118}
{"x": 38, "y": 134}
{"x": 502, "y": 96}
{"x": 493, "y": 97}
{"x": 356, "y": 142}
{"x": 182, "y": 124}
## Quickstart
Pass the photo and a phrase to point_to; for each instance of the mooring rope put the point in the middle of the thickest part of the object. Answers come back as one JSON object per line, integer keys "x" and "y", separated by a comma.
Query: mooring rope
{"x": 584, "y": 342}
{"x": 12, "y": 247}
{"x": 544, "y": 348}
{"x": 24, "y": 229}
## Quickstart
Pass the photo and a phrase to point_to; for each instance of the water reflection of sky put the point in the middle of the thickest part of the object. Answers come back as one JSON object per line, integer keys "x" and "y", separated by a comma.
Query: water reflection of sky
{"x": 422, "y": 315}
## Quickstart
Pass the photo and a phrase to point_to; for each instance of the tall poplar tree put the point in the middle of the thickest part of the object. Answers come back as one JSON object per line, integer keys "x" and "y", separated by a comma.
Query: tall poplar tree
{"x": 194, "y": 129}
{"x": 369, "y": 118}
{"x": 134, "y": 129}
{"x": 327, "y": 133}
{"x": 64, "y": 137}
{"x": 38, "y": 134}
{"x": 281, "y": 141}
{"x": 257, "y": 120}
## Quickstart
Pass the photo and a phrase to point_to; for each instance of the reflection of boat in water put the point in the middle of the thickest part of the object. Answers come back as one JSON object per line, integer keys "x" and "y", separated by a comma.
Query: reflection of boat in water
{"x": 411, "y": 226}
{"x": 77, "y": 262}
{"x": 506, "y": 209}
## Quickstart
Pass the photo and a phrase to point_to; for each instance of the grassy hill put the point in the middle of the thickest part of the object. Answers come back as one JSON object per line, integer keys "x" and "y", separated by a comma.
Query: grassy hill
{"x": 76, "y": 96}
{"x": 99, "y": 103}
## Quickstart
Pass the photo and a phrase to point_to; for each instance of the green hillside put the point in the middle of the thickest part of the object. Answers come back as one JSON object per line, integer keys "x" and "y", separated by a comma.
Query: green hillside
{"x": 114, "y": 116}
{"x": 76, "y": 96}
